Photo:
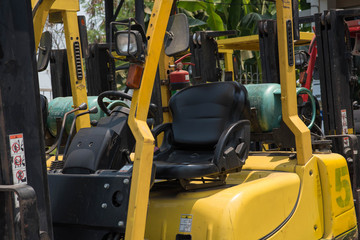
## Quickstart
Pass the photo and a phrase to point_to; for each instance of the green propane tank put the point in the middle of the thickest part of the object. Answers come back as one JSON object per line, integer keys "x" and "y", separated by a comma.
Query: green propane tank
{"x": 266, "y": 99}
{"x": 59, "y": 106}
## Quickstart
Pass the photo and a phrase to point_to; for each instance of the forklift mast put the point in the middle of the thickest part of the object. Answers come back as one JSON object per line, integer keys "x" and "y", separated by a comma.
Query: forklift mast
{"x": 336, "y": 75}
{"x": 22, "y": 157}
{"x": 335, "y": 71}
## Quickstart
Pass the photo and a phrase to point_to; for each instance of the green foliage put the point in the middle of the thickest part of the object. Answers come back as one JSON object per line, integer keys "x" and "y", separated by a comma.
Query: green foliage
{"x": 241, "y": 15}
{"x": 192, "y": 6}
{"x": 235, "y": 13}
{"x": 95, "y": 14}
{"x": 219, "y": 15}
{"x": 214, "y": 21}
{"x": 303, "y": 5}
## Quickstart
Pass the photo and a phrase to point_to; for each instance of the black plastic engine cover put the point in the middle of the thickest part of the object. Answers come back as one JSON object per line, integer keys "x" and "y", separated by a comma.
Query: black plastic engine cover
{"x": 101, "y": 147}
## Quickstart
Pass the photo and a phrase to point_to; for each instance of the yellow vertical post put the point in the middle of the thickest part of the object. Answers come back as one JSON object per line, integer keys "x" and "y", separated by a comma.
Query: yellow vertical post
{"x": 288, "y": 84}
{"x": 144, "y": 149}
{"x": 164, "y": 64}
{"x": 228, "y": 58}
{"x": 76, "y": 69}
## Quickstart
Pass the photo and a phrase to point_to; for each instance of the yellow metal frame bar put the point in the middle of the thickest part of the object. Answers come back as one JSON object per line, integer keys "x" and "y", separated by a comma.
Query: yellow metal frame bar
{"x": 240, "y": 43}
{"x": 66, "y": 5}
{"x": 78, "y": 87}
{"x": 164, "y": 63}
{"x": 251, "y": 42}
{"x": 288, "y": 86}
{"x": 144, "y": 149}
{"x": 40, "y": 17}
{"x": 228, "y": 58}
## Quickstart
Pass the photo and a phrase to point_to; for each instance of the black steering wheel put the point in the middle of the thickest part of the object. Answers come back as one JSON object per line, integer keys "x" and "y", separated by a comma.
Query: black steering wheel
{"x": 121, "y": 95}
{"x": 109, "y": 94}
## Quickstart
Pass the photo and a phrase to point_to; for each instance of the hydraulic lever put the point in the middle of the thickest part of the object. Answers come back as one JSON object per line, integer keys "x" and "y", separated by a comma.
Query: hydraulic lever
{"x": 82, "y": 106}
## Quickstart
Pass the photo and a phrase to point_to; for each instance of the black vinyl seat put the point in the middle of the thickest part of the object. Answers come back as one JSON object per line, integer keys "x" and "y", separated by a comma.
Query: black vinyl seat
{"x": 210, "y": 132}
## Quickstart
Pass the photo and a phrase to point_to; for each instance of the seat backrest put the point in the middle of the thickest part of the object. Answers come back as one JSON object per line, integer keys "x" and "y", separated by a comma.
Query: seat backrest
{"x": 202, "y": 112}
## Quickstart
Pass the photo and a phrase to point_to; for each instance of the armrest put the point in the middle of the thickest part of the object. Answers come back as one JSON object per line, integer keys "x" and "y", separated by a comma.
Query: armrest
{"x": 165, "y": 128}
{"x": 233, "y": 146}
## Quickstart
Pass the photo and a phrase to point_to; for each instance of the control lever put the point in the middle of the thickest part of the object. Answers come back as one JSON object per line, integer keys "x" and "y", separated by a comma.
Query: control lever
{"x": 82, "y": 106}
{"x": 90, "y": 111}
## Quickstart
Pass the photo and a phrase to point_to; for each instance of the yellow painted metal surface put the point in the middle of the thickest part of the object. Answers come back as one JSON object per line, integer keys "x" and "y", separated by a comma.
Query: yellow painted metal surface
{"x": 288, "y": 86}
{"x": 240, "y": 43}
{"x": 352, "y": 234}
{"x": 78, "y": 86}
{"x": 350, "y": 131}
{"x": 228, "y": 58}
{"x": 50, "y": 159}
{"x": 164, "y": 64}
{"x": 257, "y": 161}
{"x": 252, "y": 204}
{"x": 339, "y": 213}
{"x": 43, "y": 10}
{"x": 252, "y": 42}
{"x": 140, "y": 184}
{"x": 40, "y": 17}
{"x": 307, "y": 221}
{"x": 257, "y": 200}
{"x": 248, "y": 210}
{"x": 305, "y": 39}
{"x": 66, "y": 5}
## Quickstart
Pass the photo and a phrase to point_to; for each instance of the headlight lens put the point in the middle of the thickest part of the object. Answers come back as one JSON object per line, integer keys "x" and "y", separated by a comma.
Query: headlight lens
{"x": 122, "y": 43}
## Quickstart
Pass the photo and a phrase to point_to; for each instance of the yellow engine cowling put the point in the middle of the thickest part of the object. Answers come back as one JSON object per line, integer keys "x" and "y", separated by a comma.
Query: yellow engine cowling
{"x": 281, "y": 201}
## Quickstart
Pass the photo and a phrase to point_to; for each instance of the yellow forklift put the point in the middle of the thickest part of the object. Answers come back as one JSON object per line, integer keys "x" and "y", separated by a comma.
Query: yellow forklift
{"x": 200, "y": 182}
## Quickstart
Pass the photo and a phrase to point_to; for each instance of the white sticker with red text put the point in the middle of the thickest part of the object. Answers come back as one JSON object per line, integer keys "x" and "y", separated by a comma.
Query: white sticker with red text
{"x": 344, "y": 127}
{"x": 18, "y": 162}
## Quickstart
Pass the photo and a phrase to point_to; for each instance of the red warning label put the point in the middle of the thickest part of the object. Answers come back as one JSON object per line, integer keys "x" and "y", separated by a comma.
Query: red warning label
{"x": 14, "y": 136}
{"x": 16, "y": 144}
{"x": 20, "y": 177}
{"x": 15, "y": 148}
{"x": 17, "y": 161}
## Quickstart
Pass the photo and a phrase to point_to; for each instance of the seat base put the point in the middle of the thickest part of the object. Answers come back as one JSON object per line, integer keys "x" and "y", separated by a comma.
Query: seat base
{"x": 182, "y": 164}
